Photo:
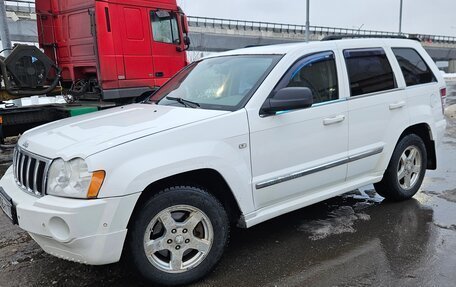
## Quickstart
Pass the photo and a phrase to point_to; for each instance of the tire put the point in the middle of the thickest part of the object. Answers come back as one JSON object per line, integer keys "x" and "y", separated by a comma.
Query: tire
{"x": 405, "y": 173}
{"x": 172, "y": 223}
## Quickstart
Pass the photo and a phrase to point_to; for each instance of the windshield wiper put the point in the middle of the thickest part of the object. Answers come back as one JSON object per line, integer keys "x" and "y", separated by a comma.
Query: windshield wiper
{"x": 186, "y": 103}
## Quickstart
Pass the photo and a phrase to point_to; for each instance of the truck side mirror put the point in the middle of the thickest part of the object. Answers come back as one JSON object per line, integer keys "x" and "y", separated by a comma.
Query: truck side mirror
{"x": 185, "y": 30}
{"x": 184, "y": 21}
{"x": 187, "y": 41}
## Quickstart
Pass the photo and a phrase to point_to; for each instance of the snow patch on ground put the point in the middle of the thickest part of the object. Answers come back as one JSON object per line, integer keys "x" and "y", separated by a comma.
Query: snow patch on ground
{"x": 449, "y": 76}
{"x": 368, "y": 195}
{"x": 449, "y": 195}
{"x": 449, "y": 227}
{"x": 340, "y": 220}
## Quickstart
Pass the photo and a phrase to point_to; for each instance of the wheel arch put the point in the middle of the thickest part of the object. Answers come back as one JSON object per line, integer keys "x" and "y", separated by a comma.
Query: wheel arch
{"x": 209, "y": 179}
{"x": 424, "y": 131}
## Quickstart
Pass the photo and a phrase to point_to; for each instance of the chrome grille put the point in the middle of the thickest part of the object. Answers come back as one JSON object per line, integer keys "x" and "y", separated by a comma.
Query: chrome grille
{"x": 30, "y": 171}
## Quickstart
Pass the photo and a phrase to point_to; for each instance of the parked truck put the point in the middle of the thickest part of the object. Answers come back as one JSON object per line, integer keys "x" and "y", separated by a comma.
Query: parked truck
{"x": 97, "y": 54}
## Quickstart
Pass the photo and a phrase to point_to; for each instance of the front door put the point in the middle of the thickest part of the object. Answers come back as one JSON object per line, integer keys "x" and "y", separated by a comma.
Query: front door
{"x": 299, "y": 153}
{"x": 167, "y": 48}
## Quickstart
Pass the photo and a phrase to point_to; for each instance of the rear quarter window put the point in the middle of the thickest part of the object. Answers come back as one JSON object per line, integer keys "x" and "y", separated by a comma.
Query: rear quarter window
{"x": 369, "y": 71}
{"x": 413, "y": 66}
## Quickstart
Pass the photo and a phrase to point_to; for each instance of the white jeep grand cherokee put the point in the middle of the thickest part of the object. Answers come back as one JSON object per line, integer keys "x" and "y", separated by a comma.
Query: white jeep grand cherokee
{"x": 240, "y": 137}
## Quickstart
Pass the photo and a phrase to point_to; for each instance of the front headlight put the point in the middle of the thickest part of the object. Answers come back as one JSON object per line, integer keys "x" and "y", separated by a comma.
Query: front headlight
{"x": 72, "y": 179}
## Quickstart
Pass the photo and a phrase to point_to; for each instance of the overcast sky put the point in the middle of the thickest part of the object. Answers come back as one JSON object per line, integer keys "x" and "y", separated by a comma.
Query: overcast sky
{"x": 420, "y": 16}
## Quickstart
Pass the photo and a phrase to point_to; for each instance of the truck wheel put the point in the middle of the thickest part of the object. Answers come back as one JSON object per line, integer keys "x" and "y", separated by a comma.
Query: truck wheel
{"x": 178, "y": 236}
{"x": 405, "y": 172}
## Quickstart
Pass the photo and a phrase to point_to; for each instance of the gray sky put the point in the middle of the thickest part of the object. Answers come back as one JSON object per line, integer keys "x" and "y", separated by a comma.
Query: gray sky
{"x": 420, "y": 16}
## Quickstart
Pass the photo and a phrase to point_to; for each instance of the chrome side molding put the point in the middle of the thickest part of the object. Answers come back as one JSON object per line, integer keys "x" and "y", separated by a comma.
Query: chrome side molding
{"x": 319, "y": 168}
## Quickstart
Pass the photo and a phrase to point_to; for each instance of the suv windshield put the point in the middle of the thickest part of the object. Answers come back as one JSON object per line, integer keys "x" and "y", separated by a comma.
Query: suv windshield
{"x": 222, "y": 83}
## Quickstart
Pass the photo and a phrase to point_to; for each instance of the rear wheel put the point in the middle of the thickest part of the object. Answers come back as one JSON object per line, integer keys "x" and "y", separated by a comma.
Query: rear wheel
{"x": 178, "y": 236}
{"x": 406, "y": 170}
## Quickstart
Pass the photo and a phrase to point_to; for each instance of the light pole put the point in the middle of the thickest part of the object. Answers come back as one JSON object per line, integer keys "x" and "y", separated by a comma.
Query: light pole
{"x": 400, "y": 17}
{"x": 359, "y": 29}
{"x": 308, "y": 21}
{"x": 4, "y": 31}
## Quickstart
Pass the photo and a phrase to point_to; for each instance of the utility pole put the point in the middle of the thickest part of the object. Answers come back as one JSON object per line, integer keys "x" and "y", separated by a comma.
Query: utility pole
{"x": 308, "y": 21}
{"x": 4, "y": 31}
{"x": 400, "y": 18}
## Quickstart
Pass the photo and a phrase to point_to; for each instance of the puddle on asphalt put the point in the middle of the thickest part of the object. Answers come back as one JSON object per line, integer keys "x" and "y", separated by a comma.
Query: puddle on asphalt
{"x": 339, "y": 221}
{"x": 343, "y": 218}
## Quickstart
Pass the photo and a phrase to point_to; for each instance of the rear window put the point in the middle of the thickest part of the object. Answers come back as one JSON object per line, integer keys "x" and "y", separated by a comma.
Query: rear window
{"x": 369, "y": 71}
{"x": 414, "y": 68}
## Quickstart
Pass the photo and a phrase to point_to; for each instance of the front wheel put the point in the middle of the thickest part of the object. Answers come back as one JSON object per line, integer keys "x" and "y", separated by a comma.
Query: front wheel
{"x": 406, "y": 170}
{"x": 178, "y": 236}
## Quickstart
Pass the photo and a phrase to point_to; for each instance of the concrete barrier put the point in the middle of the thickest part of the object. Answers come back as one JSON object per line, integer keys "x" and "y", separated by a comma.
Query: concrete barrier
{"x": 450, "y": 80}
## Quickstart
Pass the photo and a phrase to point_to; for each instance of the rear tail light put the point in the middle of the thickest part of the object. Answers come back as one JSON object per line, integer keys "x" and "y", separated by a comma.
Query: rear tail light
{"x": 443, "y": 93}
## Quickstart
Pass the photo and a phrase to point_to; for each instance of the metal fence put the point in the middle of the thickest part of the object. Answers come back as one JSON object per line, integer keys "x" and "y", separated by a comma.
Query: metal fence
{"x": 22, "y": 6}
{"x": 301, "y": 29}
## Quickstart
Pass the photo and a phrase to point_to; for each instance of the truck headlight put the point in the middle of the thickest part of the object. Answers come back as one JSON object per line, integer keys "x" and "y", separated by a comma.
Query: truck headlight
{"x": 72, "y": 179}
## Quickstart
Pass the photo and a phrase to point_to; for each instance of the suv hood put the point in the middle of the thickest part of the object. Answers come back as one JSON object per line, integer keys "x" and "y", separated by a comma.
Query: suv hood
{"x": 88, "y": 134}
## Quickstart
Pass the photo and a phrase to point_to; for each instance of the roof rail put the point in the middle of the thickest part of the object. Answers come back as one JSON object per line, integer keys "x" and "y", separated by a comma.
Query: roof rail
{"x": 257, "y": 45}
{"x": 354, "y": 36}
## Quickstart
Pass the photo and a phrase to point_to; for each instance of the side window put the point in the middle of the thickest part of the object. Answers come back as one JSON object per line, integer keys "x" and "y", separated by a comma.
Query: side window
{"x": 318, "y": 73}
{"x": 414, "y": 68}
{"x": 164, "y": 27}
{"x": 369, "y": 71}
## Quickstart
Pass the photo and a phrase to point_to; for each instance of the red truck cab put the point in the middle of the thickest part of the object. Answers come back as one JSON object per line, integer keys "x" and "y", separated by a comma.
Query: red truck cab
{"x": 113, "y": 49}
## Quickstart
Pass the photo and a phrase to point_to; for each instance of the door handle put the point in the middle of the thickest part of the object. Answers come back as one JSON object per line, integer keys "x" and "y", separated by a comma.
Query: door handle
{"x": 159, "y": 74}
{"x": 334, "y": 120}
{"x": 397, "y": 105}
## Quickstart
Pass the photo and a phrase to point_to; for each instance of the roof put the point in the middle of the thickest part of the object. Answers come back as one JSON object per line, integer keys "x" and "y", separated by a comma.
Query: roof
{"x": 282, "y": 49}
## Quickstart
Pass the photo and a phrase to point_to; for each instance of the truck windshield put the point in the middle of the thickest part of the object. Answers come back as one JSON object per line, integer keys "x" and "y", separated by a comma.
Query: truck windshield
{"x": 222, "y": 83}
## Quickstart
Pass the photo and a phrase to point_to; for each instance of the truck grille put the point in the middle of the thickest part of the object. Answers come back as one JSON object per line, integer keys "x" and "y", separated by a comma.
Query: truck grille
{"x": 30, "y": 171}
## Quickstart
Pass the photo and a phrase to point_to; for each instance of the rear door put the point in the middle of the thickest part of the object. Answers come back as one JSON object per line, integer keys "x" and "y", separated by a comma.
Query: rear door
{"x": 377, "y": 108}
{"x": 166, "y": 45}
{"x": 422, "y": 88}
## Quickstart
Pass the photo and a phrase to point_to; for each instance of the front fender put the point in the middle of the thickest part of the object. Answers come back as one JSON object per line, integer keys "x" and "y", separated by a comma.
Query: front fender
{"x": 131, "y": 167}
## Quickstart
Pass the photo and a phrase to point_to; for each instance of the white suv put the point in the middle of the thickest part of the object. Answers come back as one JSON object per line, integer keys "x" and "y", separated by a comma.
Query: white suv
{"x": 240, "y": 137}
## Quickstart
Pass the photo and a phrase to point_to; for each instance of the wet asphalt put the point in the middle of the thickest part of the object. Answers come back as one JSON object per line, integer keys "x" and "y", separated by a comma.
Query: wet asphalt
{"x": 357, "y": 239}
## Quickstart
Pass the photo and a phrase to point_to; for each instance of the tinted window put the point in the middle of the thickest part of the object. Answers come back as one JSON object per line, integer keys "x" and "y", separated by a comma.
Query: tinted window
{"x": 414, "y": 68}
{"x": 369, "y": 71}
{"x": 164, "y": 27}
{"x": 318, "y": 73}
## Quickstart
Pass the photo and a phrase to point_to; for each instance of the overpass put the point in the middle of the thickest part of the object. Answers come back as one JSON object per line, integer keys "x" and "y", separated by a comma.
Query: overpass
{"x": 216, "y": 35}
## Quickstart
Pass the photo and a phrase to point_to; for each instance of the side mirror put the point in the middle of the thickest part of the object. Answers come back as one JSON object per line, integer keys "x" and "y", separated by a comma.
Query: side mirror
{"x": 186, "y": 44}
{"x": 184, "y": 21}
{"x": 187, "y": 40}
{"x": 185, "y": 31}
{"x": 286, "y": 99}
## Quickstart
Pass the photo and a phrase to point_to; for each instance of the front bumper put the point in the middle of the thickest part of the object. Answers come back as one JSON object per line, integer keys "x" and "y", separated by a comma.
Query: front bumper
{"x": 86, "y": 231}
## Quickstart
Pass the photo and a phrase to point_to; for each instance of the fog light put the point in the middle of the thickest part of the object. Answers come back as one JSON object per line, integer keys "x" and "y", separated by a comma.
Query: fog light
{"x": 59, "y": 229}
